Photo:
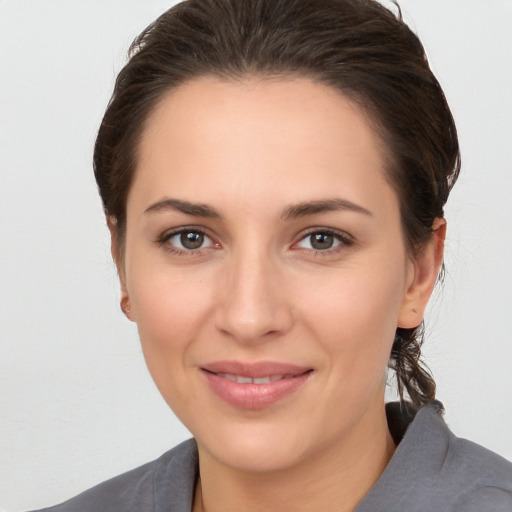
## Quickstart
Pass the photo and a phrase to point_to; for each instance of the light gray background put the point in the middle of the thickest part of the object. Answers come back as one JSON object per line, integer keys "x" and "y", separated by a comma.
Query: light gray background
{"x": 76, "y": 402}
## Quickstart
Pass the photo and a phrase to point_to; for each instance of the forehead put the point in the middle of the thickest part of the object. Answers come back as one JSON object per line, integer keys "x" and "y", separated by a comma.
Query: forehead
{"x": 256, "y": 135}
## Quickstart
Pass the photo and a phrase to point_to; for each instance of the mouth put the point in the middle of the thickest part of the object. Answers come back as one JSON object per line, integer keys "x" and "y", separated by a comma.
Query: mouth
{"x": 241, "y": 379}
{"x": 254, "y": 385}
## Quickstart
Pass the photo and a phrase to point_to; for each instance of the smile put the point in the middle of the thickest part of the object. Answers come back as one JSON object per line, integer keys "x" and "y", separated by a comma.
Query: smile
{"x": 241, "y": 379}
{"x": 254, "y": 385}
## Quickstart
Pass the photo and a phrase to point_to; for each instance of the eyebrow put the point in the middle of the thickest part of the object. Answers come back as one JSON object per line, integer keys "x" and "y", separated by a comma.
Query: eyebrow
{"x": 291, "y": 212}
{"x": 321, "y": 206}
{"x": 196, "y": 210}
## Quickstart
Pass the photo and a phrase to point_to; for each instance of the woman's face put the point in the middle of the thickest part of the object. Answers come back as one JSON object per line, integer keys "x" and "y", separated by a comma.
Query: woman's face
{"x": 265, "y": 268}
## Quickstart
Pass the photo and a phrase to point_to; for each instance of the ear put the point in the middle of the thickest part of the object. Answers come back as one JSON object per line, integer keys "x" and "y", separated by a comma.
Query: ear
{"x": 118, "y": 258}
{"x": 425, "y": 270}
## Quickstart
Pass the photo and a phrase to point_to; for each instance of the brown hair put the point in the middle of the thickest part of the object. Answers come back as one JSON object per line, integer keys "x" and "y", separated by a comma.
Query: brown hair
{"x": 358, "y": 47}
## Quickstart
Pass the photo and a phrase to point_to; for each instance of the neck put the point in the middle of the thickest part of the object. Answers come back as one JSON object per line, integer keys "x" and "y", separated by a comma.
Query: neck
{"x": 335, "y": 479}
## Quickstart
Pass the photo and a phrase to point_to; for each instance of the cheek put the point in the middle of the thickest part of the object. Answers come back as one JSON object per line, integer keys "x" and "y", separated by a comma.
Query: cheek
{"x": 168, "y": 301}
{"x": 171, "y": 309}
{"x": 166, "y": 310}
{"x": 355, "y": 316}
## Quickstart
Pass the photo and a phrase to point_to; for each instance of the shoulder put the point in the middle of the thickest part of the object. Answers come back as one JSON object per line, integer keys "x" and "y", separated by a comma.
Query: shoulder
{"x": 480, "y": 478}
{"x": 490, "y": 499}
{"x": 432, "y": 469}
{"x": 464, "y": 474}
{"x": 169, "y": 479}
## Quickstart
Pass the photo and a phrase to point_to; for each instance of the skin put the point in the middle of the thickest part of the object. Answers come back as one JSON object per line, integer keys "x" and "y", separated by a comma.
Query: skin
{"x": 257, "y": 289}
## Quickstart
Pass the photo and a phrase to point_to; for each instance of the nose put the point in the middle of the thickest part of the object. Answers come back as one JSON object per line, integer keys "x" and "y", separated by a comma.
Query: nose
{"x": 252, "y": 303}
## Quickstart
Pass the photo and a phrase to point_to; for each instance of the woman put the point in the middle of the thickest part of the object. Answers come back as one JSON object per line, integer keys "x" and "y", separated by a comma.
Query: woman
{"x": 274, "y": 175}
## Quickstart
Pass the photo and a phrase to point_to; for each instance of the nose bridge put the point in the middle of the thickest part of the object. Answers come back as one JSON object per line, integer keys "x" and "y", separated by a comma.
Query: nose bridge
{"x": 252, "y": 305}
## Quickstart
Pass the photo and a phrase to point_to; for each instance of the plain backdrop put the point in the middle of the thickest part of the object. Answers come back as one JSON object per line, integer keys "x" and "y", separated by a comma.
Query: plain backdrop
{"x": 76, "y": 402}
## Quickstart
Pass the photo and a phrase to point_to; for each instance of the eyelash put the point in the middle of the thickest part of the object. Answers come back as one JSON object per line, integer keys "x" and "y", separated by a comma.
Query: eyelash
{"x": 164, "y": 238}
{"x": 344, "y": 241}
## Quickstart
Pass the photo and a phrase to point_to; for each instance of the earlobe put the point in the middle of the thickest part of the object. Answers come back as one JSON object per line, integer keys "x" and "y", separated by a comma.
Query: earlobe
{"x": 426, "y": 267}
{"x": 125, "y": 306}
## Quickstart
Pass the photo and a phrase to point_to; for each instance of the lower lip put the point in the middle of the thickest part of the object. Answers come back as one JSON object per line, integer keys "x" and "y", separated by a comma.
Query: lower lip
{"x": 254, "y": 396}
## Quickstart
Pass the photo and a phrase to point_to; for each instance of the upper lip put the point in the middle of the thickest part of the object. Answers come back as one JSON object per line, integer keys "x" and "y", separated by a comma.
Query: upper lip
{"x": 255, "y": 370}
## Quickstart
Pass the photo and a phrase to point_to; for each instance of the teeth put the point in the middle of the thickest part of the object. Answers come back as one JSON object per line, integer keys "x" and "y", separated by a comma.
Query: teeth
{"x": 248, "y": 380}
{"x": 227, "y": 376}
{"x": 261, "y": 380}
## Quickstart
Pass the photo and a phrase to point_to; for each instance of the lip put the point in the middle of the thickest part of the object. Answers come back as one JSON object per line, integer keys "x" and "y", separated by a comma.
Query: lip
{"x": 252, "y": 395}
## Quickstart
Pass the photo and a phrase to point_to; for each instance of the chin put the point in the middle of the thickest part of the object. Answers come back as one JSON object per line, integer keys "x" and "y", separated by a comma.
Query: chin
{"x": 259, "y": 448}
{"x": 254, "y": 457}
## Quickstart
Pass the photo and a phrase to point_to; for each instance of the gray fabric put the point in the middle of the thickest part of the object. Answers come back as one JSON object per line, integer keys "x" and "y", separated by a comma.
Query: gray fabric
{"x": 164, "y": 485}
{"x": 431, "y": 470}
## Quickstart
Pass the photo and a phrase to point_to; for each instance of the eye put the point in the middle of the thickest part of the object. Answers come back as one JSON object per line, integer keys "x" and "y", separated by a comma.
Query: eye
{"x": 186, "y": 240}
{"x": 324, "y": 240}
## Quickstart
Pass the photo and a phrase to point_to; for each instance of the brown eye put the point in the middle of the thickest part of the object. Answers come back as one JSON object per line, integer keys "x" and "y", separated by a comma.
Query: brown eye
{"x": 191, "y": 240}
{"x": 325, "y": 241}
{"x": 321, "y": 241}
{"x": 187, "y": 240}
